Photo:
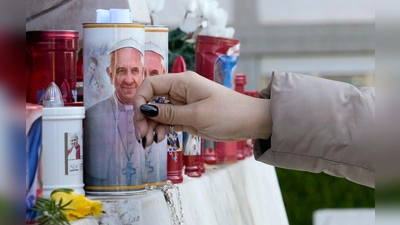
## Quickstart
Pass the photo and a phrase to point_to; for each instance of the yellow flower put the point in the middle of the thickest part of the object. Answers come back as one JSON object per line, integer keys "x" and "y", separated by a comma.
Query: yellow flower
{"x": 80, "y": 205}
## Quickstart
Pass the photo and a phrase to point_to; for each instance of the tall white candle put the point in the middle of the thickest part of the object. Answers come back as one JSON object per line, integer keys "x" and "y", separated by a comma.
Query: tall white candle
{"x": 62, "y": 147}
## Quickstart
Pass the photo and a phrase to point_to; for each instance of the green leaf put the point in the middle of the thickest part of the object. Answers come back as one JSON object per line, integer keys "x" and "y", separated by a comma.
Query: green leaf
{"x": 45, "y": 221}
{"x": 176, "y": 34}
{"x": 66, "y": 190}
{"x": 54, "y": 214}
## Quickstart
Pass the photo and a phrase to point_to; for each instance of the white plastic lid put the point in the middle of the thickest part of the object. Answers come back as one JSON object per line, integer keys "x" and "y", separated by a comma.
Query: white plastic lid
{"x": 53, "y": 97}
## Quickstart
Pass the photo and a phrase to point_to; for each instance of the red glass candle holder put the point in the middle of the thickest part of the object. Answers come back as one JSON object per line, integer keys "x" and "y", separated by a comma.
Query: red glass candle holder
{"x": 216, "y": 58}
{"x": 51, "y": 57}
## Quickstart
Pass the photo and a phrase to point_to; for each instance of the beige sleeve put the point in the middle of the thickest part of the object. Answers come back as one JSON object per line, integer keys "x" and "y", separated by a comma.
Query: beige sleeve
{"x": 320, "y": 125}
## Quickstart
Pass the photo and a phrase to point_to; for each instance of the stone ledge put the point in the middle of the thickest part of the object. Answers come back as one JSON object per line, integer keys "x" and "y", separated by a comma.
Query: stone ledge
{"x": 245, "y": 193}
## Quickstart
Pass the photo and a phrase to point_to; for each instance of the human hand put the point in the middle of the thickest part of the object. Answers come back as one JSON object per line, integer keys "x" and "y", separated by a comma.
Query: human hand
{"x": 200, "y": 107}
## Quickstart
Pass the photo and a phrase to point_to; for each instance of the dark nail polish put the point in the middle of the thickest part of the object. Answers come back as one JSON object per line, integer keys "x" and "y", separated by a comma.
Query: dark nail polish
{"x": 149, "y": 110}
{"x": 155, "y": 138}
{"x": 144, "y": 142}
{"x": 138, "y": 141}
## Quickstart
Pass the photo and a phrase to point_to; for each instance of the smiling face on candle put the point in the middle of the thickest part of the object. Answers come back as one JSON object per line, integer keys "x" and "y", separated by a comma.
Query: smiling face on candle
{"x": 126, "y": 73}
{"x": 74, "y": 141}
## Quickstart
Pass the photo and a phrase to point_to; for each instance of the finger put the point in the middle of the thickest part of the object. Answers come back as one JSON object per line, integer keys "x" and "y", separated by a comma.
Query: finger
{"x": 147, "y": 140}
{"x": 161, "y": 131}
{"x": 150, "y": 87}
{"x": 190, "y": 130}
{"x": 141, "y": 128}
{"x": 172, "y": 114}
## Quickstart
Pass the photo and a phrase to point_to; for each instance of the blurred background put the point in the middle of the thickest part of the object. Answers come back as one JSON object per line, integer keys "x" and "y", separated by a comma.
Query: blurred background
{"x": 331, "y": 38}
{"x": 334, "y": 39}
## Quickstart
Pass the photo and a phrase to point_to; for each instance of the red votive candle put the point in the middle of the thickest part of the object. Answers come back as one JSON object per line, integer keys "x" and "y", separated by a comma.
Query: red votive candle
{"x": 210, "y": 154}
{"x": 174, "y": 168}
{"x": 51, "y": 57}
{"x": 191, "y": 154}
{"x": 227, "y": 152}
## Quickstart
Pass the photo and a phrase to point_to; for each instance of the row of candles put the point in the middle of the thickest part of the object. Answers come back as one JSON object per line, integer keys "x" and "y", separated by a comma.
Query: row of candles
{"x": 215, "y": 59}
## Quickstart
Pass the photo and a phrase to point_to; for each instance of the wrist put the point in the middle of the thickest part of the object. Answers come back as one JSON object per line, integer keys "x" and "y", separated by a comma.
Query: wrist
{"x": 260, "y": 119}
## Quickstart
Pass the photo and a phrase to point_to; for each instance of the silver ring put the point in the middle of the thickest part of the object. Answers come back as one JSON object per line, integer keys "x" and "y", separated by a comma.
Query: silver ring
{"x": 160, "y": 100}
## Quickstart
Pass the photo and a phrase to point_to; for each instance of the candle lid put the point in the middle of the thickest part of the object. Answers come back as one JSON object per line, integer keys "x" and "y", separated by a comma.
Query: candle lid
{"x": 53, "y": 97}
{"x": 51, "y": 34}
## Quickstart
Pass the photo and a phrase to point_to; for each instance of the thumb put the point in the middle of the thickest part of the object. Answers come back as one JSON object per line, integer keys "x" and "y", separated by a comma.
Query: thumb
{"x": 169, "y": 114}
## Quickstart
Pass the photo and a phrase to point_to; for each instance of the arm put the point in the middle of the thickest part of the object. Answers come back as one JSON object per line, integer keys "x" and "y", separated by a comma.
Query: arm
{"x": 317, "y": 125}
{"x": 320, "y": 126}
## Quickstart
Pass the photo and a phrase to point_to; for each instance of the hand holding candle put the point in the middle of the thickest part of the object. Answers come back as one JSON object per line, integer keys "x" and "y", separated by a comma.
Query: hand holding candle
{"x": 200, "y": 107}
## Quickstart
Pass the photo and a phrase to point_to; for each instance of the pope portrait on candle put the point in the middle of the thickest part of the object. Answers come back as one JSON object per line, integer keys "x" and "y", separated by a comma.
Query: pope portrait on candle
{"x": 75, "y": 151}
{"x": 113, "y": 154}
{"x": 156, "y": 153}
{"x": 154, "y": 63}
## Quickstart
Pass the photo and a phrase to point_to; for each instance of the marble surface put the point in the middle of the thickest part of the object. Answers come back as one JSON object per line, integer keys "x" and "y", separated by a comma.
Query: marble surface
{"x": 85, "y": 221}
{"x": 245, "y": 193}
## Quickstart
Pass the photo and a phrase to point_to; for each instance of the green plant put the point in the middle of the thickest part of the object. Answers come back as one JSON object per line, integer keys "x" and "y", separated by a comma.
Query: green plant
{"x": 50, "y": 211}
{"x": 305, "y": 192}
{"x": 181, "y": 43}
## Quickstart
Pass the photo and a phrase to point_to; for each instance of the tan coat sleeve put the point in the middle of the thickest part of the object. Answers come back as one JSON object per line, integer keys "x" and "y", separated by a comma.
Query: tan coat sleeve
{"x": 320, "y": 125}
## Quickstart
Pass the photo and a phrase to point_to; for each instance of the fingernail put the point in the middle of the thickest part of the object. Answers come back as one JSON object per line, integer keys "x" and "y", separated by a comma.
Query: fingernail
{"x": 155, "y": 138}
{"x": 144, "y": 142}
{"x": 149, "y": 110}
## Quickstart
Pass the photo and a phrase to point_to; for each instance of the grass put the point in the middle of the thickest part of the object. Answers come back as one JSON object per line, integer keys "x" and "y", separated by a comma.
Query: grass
{"x": 305, "y": 192}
